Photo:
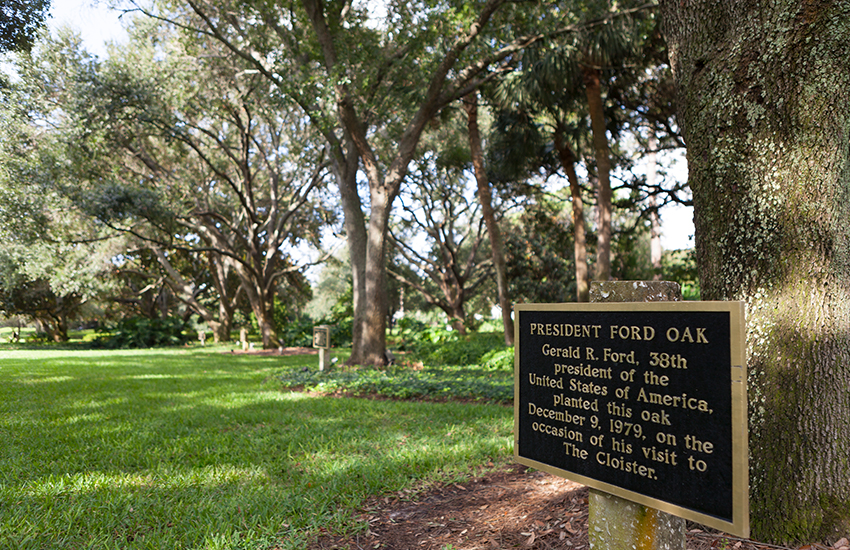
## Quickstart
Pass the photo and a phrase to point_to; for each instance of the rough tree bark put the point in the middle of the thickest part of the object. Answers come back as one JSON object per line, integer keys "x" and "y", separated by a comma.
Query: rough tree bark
{"x": 655, "y": 251}
{"x": 568, "y": 163}
{"x": 485, "y": 197}
{"x": 593, "y": 89}
{"x": 764, "y": 102}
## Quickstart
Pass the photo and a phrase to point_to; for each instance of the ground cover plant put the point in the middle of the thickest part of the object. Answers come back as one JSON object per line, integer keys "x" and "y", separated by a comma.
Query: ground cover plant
{"x": 202, "y": 448}
{"x": 490, "y": 381}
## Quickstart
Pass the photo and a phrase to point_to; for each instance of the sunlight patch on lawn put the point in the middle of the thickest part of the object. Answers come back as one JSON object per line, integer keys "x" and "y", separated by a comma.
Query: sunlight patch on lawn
{"x": 210, "y": 476}
{"x": 239, "y": 400}
{"x": 46, "y": 379}
{"x": 159, "y": 376}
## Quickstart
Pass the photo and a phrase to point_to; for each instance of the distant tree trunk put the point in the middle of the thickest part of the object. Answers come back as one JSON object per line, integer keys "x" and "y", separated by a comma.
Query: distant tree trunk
{"x": 187, "y": 294}
{"x": 263, "y": 309}
{"x": 485, "y": 197}
{"x": 457, "y": 317}
{"x": 385, "y": 178}
{"x": 764, "y": 102}
{"x": 59, "y": 331}
{"x": 568, "y": 163}
{"x": 226, "y": 302}
{"x": 654, "y": 217}
{"x": 593, "y": 89}
{"x": 261, "y": 294}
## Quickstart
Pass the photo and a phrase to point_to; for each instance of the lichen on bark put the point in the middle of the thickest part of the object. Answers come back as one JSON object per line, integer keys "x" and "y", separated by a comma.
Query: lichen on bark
{"x": 764, "y": 103}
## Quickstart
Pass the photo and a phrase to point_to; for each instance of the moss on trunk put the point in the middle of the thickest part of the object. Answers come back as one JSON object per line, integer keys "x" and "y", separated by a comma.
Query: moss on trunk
{"x": 764, "y": 102}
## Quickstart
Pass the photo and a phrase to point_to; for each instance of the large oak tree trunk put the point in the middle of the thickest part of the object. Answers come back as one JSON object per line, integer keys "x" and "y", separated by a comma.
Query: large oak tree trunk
{"x": 764, "y": 102}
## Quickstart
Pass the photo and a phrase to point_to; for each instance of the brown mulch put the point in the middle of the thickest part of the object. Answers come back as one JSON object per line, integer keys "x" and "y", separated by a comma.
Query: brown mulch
{"x": 509, "y": 507}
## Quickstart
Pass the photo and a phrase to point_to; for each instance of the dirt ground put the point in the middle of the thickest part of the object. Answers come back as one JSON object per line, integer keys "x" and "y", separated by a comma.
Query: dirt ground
{"x": 506, "y": 508}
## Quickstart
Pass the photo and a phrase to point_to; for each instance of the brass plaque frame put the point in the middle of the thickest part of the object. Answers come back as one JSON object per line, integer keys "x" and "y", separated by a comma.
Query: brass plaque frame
{"x": 738, "y": 391}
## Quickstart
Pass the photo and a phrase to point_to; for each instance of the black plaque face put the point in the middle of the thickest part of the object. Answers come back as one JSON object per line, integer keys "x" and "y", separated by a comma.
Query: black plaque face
{"x": 645, "y": 401}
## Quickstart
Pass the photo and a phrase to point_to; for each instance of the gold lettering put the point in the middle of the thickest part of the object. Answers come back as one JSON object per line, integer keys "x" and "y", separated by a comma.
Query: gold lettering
{"x": 686, "y": 335}
{"x": 564, "y": 433}
{"x": 632, "y": 332}
{"x": 683, "y": 402}
{"x": 564, "y": 330}
{"x": 694, "y": 444}
{"x": 559, "y": 416}
{"x": 620, "y": 463}
{"x": 573, "y": 451}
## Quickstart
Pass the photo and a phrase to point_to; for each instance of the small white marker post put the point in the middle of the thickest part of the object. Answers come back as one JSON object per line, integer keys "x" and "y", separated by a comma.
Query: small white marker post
{"x": 322, "y": 341}
{"x": 243, "y": 338}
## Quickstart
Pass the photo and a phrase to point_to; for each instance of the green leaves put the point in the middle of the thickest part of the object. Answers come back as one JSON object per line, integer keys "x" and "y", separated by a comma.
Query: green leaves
{"x": 139, "y": 332}
{"x": 435, "y": 383}
{"x": 20, "y": 21}
{"x": 112, "y": 201}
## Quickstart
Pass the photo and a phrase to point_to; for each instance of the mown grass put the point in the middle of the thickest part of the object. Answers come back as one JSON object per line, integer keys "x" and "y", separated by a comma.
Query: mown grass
{"x": 194, "y": 448}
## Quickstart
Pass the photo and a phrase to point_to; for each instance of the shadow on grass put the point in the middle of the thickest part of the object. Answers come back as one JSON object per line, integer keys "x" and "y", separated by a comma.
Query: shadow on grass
{"x": 132, "y": 449}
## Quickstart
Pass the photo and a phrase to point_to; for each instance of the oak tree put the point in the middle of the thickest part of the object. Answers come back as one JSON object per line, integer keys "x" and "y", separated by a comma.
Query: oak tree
{"x": 764, "y": 104}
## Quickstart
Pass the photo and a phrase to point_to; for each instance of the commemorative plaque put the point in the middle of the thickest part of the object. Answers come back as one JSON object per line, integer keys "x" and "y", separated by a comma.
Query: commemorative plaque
{"x": 646, "y": 401}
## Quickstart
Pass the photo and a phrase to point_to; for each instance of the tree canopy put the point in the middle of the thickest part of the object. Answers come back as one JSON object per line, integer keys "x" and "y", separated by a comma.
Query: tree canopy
{"x": 190, "y": 142}
{"x": 20, "y": 21}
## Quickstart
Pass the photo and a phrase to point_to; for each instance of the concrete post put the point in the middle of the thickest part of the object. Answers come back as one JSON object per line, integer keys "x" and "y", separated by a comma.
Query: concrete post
{"x": 616, "y": 523}
{"x": 324, "y": 358}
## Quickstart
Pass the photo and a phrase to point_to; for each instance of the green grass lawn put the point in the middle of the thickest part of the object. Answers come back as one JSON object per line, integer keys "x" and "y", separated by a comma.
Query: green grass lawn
{"x": 194, "y": 448}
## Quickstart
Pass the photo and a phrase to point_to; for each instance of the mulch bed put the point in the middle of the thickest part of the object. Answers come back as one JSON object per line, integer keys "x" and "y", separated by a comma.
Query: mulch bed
{"x": 506, "y": 508}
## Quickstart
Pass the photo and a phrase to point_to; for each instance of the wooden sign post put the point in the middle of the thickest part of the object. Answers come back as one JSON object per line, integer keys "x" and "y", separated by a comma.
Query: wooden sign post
{"x": 642, "y": 398}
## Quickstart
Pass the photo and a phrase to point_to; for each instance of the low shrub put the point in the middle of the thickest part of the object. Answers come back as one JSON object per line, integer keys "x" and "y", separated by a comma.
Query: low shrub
{"x": 442, "y": 347}
{"x": 498, "y": 359}
{"x": 441, "y": 384}
{"x": 37, "y": 338}
{"x": 141, "y": 332}
{"x": 297, "y": 333}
